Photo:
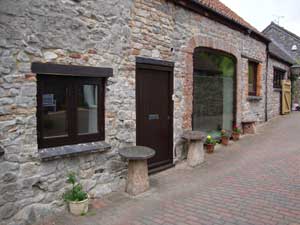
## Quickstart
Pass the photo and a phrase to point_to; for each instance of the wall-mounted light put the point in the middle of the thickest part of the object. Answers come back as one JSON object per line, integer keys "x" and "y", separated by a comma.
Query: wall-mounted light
{"x": 295, "y": 70}
{"x": 294, "y": 48}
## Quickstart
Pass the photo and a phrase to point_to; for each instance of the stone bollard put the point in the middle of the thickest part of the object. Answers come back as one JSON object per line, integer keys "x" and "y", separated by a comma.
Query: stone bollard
{"x": 195, "y": 154}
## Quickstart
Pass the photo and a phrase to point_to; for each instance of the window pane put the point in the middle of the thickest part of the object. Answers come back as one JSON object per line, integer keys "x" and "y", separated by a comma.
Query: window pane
{"x": 278, "y": 77}
{"x": 87, "y": 109}
{"x": 54, "y": 111}
{"x": 251, "y": 88}
{"x": 213, "y": 94}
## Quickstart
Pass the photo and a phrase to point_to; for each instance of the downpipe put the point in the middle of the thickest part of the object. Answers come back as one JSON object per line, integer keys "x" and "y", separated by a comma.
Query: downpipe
{"x": 266, "y": 84}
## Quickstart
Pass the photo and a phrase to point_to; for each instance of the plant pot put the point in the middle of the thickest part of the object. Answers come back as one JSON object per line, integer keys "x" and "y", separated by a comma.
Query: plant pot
{"x": 236, "y": 136}
{"x": 79, "y": 208}
{"x": 225, "y": 140}
{"x": 210, "y": 148}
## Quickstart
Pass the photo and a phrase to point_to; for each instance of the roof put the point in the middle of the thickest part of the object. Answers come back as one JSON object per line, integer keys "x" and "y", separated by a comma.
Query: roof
{"x": 216, "y": 10}
{"x": 276, "y": 26}
{"x": 278, "y": 52}
{"x": 226, "y": 11}
{"x": 284, "y": 39}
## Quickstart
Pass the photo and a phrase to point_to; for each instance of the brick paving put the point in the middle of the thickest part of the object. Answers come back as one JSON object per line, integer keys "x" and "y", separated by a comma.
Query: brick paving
{"x": 254, "y": 181}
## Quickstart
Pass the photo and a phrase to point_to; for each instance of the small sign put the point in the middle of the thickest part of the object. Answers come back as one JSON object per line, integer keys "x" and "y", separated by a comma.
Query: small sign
{"x": 153, "y": 117}
{"x": 48, "y": 100}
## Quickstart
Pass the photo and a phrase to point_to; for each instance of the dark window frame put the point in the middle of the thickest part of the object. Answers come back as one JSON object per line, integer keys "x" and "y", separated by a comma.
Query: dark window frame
{"x": 255, "y": 75}
{"x": 72, "y": 84}
{"x": 278, "y": 76}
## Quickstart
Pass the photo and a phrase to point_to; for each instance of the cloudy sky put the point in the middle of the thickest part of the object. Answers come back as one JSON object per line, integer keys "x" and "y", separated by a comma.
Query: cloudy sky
{"x": 260, "y": 13}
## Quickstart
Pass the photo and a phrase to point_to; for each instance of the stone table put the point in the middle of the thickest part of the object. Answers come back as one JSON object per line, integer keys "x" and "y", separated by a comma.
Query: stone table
{"x": 195, "y": 140}
{"x": 138, "y": 179}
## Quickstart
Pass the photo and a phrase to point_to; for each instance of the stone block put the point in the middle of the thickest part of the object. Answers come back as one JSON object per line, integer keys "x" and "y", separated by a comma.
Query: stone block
{"x": 249, "y": 127}
{"x": 137, "y": 180}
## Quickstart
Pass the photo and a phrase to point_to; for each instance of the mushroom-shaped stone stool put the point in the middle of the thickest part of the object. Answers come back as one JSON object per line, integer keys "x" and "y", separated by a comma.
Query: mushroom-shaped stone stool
{"x": 138, "y": 179}
{"x": 195, "y": 140}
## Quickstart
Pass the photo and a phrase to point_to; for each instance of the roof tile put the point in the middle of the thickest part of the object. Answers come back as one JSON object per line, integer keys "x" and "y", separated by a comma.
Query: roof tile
{"x": 221, "y": 8}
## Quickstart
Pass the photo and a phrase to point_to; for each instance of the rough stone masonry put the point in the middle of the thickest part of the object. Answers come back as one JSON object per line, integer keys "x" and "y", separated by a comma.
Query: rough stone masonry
{"x": 103, "y": 34}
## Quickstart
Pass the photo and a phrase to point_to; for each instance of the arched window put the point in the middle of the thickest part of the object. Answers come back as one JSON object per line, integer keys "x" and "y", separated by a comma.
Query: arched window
{"x": 214, "y": 90}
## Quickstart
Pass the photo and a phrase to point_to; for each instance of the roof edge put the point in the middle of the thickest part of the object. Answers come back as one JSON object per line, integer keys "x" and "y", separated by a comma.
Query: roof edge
{"x": 272, "y": 24}
{"x": 279, "y": 59}
{"x": 210, "y": 13}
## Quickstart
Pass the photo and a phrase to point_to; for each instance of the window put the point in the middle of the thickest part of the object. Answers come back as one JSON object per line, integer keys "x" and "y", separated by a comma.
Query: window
{"x": 213, "y": 90}
{"x": 70, "y": 103}
{"x": 252, "y": 78}
{"x": 70, "y": 110}
{"x": 279, "y": 75}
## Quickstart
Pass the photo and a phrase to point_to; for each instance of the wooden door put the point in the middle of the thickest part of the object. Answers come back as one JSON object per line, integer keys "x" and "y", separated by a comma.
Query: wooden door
{"x": 286, "y": 97}
{"x": 154, "y": 113}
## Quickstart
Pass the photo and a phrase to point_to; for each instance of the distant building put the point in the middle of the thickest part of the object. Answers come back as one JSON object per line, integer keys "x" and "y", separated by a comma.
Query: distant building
{"x": 285, "y": 45}
{"x": 285, "y": 39}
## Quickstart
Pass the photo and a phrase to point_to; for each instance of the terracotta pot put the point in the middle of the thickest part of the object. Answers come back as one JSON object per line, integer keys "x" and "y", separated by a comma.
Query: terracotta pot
{"x": 225, "y": 140}
{"x": 236, "y": 136}
{"x": 210, "y": 148}
{"x": 79, "y": 208}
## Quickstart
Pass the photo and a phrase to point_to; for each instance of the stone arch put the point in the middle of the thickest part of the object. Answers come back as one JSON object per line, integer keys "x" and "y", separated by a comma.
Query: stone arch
{"x": 207, "y": 42}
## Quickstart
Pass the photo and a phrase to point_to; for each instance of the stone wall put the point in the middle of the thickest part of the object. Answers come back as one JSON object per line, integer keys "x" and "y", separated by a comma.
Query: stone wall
{"x": 91, "y": 32}
{"x": 174, "y": 34}
{"x": 274, "y": 95}
{"x": 253, "y": 109}
{"x": 97, "y": 33}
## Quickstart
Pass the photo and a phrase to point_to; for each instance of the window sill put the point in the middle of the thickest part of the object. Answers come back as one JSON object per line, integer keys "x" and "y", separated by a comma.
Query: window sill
{"x": 48, "y": 154}
{"x": 254, "y": 98}
{"x": 277, "y": 89}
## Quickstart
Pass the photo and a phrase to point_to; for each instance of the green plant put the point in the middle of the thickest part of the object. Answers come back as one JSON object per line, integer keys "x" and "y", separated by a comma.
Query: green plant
{"x": 210, "y": 140}
{"x": 236, "y": 129}
{"x": 76, "y": 193}
{"x": 224, "y": 133}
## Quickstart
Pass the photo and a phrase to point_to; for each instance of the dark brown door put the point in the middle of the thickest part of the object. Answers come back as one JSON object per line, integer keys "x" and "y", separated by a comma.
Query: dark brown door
{"x": 154, "y": 87}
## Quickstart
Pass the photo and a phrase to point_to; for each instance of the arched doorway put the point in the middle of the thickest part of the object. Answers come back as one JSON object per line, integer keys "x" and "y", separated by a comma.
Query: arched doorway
{"x": 214, "y": 79}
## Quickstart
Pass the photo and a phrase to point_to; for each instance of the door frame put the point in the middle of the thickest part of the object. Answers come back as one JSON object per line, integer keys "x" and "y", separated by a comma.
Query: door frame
{"x": 161, "y": 65}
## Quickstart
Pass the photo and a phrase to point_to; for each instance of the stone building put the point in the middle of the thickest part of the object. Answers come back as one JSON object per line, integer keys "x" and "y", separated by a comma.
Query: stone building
{"x": 279, "y": 63}
{"x": 81, "y": 79}
{"x": 286, "y": 40}
{"x": 286, "y": 45}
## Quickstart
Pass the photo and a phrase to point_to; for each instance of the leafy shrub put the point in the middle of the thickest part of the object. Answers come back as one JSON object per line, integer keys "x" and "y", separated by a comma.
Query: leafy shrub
{"x": 236, "y": 129}
{"x": 225, "y": 133}
{"x": 210, "y": 140}
{"x": 76, "y": 193}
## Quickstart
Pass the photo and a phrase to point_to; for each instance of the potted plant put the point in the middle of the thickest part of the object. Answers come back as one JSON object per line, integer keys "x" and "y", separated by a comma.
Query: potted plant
{"x": 236, "y": 132}
{"x": 224, "y": 137}
{"x": 210, "y": 144}
{"x": 77, "y": 199}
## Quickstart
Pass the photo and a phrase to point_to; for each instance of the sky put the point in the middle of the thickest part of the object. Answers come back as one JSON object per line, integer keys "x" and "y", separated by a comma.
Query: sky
{"x": 260, "y": 13}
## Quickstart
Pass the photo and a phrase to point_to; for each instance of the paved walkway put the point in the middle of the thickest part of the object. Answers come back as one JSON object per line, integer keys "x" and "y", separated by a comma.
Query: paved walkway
{"x": 253, "y": 181}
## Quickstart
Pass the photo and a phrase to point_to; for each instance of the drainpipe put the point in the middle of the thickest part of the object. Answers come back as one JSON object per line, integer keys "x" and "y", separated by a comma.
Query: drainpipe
{"x": 266, "y": 85}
